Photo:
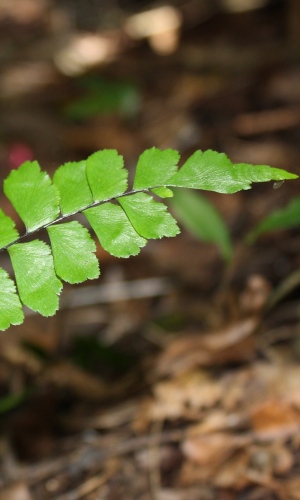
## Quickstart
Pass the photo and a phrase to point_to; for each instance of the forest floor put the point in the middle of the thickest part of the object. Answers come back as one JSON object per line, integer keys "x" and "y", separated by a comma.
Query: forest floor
{"x": 177, "y": 374}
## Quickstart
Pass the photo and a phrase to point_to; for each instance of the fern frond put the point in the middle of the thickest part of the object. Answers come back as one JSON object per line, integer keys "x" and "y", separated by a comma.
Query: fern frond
{"x": 123, "y": 220}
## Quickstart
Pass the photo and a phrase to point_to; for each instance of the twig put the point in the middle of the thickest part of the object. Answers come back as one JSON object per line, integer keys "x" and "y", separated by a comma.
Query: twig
{"x": 113, "y": 292}
{"x": 94, "y": 453}
{"x": 154, "y": 462}
{"x": 266, "y": 121}
{"x": 88, "y": 486}
{"x": 285, "y": 287}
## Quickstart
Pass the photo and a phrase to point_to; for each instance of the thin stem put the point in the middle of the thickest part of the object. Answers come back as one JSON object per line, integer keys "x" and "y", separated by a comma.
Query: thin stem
{"x": 63, "y": 217}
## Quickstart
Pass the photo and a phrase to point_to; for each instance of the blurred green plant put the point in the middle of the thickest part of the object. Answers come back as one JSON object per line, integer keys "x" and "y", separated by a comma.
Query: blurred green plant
{"x": 284, "y": 218}
{"x": 200, "y": 217}
{"x": 13, "y": 401}
{"x": 103, "y": 97}
{"x": 90, "y": 353}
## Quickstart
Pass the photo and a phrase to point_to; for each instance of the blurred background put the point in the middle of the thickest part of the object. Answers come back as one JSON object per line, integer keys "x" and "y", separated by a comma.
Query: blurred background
{"x": 176, "y": 374}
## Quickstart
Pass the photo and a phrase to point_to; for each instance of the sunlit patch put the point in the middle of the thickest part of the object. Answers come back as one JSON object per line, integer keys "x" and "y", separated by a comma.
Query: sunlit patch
{"x": 23, "y": 11}
{"x": 85, "y": 51}
{"x": 161, "y": 26}
{"x": 24, "y": 78}
{"x": 243, "y": 5}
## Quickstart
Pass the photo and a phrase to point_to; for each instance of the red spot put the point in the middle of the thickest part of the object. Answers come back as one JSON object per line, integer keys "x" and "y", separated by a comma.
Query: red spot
{"x": 18, "y": 153}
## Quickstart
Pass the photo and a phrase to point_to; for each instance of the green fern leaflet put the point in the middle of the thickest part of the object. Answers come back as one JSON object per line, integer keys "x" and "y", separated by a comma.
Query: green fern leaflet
{"x": 123, "y": 219}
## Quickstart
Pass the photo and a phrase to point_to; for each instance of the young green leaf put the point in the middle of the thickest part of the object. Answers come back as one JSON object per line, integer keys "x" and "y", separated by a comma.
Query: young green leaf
{"x": 155, "y": 167}
{"x": 214, "y": 172}
{"x": 37, "y": 283}
{"x": 123, "y": 221}
{"x": 74, "y": 191}
{"x": 201, "y": 218}
{"x": 149, "y": 218}
{"x": 8, "y": 232}
{"x": 280, "y": 219}
{"x": 247, "y": 174}
{"x": 32, "y": 194}
{"x": 106, "y": 176}
{"x": 10, "y": 306}
{"x": 163, "y": 192}
{"x": 114, "y": 231}
{"x": 72, "y": 249}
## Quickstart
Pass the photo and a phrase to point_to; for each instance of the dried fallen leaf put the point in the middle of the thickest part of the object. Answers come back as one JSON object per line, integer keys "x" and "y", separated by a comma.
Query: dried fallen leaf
{"x": 184, "y": 494}
{"x": 292, "y": 488}
{"x": 254, "y": 464}
{"x": 16, "y": 491}
{"x": 261, "y": 381}
{"x": 184, "y": 396}
{"x": 234, "y": 343}
{"x": 212, "y": 449}
{"x": 218, "y": 420}
{"x": 233, "y": 472}
{"x": 191, "y": 474}
{"x": 274, "y": 419}
{"x": 283, "y": 459}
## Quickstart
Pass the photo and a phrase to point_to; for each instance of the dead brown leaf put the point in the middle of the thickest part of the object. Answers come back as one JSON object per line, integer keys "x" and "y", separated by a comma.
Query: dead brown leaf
{"x": 184, "y": 396}
{"x": 234, "y": 343}
{"x": 292, "y": 487}
{"x": 218, "y": 420}
{"x": 84, "y": 384}
{"x": 233, "y": 472}
{"x": 283, "y": 459}
{"x": 17, "y": 491}
{"x": 250, "y": 386}
{"x": 230, "y": 472}
{"x": 274, "y": 419}
{"x": 212, "y": 449}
